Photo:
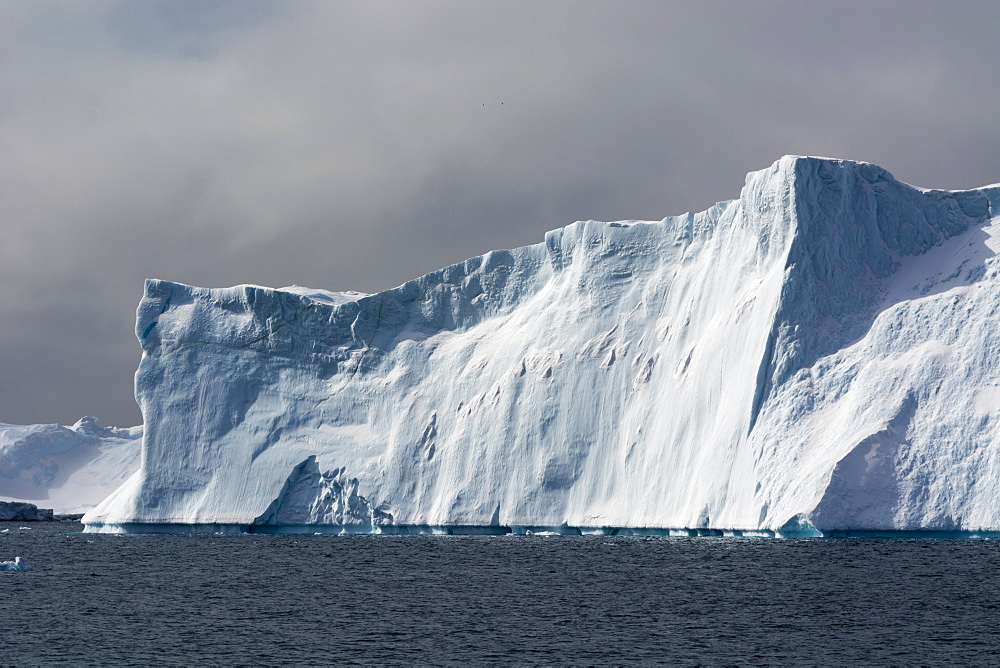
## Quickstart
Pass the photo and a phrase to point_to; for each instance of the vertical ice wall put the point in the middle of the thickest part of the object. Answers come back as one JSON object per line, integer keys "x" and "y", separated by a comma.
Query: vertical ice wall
{"x": 632, "y": 374}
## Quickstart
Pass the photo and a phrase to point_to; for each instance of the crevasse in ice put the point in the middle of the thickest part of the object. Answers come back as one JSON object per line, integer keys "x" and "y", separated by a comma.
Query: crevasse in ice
{"x": 821, "y": 353}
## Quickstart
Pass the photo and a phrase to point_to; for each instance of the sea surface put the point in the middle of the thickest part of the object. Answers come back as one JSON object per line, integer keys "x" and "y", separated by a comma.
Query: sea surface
{"x": 284, "y": 599}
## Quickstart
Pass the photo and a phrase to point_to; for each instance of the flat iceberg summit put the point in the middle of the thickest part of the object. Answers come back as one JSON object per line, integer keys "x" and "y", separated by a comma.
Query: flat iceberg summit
{"x": 819, "y": 355}
{"x": 69, "y": 469}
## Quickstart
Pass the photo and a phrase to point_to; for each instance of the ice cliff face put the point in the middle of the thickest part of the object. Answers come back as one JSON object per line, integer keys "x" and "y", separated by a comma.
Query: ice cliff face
{"x": 820, "y": 352}
{"x": 69, "y": 469}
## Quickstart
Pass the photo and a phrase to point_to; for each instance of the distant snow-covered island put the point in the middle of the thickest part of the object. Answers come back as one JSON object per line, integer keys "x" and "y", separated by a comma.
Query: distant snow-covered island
{"x": 818, "y": 357}
{"x": 68, "y": 470}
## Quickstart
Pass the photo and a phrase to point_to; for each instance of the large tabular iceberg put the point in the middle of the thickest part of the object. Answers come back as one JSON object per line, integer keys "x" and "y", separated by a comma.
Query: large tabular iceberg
{"x": 820, "y": 354}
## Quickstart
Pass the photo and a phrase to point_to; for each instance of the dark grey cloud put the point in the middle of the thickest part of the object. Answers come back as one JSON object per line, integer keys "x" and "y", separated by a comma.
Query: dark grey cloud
{"x": 356, "y": 145}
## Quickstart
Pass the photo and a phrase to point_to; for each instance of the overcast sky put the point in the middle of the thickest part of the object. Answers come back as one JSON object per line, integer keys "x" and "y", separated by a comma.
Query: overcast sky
{"x": 352, "y": 146}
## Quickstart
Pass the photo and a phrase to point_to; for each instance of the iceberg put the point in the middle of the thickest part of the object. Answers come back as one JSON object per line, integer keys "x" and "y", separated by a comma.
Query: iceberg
{"x": 17, "y": 565}
{"x": 19, "y": 511}
{"x": 817, "y": 356}
{"x": 69, "y": 469}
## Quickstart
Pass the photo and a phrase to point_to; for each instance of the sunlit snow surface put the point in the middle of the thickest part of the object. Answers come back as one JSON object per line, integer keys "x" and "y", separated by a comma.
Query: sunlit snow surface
{"x": 67, "y": 469}
{"x": 818, "y": 354}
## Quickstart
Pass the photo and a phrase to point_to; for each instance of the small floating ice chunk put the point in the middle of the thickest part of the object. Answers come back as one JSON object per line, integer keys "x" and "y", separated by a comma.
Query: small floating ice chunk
{"x": 17, "y": 565}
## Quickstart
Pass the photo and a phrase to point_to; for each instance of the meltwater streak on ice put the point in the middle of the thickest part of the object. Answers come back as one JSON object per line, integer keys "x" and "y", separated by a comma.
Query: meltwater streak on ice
{"x": 778, "y": 363}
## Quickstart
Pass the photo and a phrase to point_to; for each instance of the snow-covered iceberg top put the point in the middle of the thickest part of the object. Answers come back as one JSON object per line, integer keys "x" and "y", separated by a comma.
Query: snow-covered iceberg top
{"x": 817, "y": 355}
{"x": 68, "y": 469}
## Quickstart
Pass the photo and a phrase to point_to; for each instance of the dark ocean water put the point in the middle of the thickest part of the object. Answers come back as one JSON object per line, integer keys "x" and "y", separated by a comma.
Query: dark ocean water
{"x": 259, "y": 599}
